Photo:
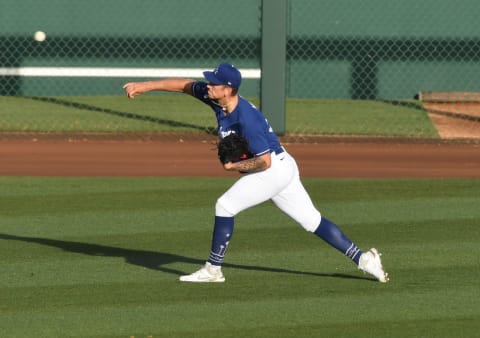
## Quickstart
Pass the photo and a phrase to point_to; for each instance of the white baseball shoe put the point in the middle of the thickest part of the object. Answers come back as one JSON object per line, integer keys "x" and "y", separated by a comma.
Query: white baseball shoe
{"x": 207, "y": 274}
{"x": 371, "y": 263}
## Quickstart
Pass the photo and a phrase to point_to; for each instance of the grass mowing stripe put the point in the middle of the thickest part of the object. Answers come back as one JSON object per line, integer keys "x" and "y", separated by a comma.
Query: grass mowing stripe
{"x": 122, "y": 319}
{"x": 112, "y": 270}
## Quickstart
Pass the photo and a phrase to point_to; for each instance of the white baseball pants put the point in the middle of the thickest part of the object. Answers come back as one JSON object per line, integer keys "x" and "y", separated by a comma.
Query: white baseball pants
{"x": 280, "y": 183}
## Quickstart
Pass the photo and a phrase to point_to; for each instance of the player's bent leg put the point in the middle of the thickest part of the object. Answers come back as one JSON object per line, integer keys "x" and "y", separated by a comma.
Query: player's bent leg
{"x": 248, "y": 191}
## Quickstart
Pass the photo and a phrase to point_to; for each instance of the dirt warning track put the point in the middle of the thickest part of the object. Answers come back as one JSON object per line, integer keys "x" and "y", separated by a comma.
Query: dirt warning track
{"x": 196, "y": 158}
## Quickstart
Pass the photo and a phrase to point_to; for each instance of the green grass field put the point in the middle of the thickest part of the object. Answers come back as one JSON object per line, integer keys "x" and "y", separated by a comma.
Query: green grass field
{"x": 179, "y": 113}
{"x": 101, "y": 257}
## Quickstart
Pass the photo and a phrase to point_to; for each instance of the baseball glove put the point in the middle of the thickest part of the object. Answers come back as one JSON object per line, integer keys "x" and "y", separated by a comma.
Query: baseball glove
{"x": 233, "y": 148}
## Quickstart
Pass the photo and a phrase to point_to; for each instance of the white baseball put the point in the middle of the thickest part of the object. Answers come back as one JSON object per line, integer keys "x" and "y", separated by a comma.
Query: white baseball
{"x": 40, "y": 36}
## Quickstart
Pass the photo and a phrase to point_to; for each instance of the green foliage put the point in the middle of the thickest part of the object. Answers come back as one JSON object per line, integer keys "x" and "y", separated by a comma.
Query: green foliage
{"x": 101, "y": 257}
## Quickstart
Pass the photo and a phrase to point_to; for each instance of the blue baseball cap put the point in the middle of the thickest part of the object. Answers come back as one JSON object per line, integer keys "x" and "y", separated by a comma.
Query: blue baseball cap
{"x": 225, "y": 74}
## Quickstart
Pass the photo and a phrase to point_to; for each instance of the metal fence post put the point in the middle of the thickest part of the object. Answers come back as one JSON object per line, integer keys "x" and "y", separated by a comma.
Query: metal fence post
{"x": 273, "y": 62}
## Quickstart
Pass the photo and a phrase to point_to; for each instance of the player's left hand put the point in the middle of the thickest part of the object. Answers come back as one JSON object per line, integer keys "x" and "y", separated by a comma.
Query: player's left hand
{"x": 229, "y": 166}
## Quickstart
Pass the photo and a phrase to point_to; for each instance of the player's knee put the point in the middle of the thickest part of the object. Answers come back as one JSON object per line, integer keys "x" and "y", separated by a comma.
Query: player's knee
{"x": 310, "y": 227}
{"x": 310, "y": 222}
{"x": 222, "y": 209}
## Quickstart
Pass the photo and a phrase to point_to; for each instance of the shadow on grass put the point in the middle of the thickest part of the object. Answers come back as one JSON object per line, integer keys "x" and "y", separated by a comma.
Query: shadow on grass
{"x": 153, "y": 260}
{"x": 125, "y": 115}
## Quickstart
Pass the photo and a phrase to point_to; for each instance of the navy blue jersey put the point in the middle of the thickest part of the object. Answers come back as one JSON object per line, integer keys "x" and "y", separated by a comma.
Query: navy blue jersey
{"x": 246, "y": 120}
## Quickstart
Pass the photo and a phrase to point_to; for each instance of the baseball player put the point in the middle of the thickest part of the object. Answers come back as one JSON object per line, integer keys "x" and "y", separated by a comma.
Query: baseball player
{"x": 271, "y": 174}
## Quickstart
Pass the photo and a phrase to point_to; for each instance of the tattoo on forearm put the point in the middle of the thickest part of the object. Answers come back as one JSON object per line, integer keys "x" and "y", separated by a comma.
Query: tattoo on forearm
{"x": 251, "y": 165}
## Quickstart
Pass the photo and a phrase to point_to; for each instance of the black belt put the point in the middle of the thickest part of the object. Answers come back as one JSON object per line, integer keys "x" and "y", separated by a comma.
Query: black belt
{"x": 278, "y": 151}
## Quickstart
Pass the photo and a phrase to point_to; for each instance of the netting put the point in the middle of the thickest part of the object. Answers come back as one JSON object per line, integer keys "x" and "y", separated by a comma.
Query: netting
{"x": 377, "y": 57}
{"x": 407, "y": 69}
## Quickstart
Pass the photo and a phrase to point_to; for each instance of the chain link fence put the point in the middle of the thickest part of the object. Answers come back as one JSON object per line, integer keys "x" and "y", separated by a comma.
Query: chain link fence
{"x": 359, "y": 69}
{"x": 384, "y": 55}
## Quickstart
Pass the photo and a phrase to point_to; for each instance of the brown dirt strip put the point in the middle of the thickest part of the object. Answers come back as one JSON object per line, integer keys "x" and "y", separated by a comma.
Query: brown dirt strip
{"x": 455, "y": 120}
{"x": 359, "y": 159}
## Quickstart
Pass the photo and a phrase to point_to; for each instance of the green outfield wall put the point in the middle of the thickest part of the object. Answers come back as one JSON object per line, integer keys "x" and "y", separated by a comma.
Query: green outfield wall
{"x": 369, "y": 49}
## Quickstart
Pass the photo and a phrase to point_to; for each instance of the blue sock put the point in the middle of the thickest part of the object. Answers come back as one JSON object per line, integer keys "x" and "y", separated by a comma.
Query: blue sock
{"x": 222, "y": 233}
{"x": 332, "y": 234}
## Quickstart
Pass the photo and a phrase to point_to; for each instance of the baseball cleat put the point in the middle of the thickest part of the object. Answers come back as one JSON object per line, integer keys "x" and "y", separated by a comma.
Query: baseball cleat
{"x": 207, "y": 274}
{"x": 371, "y": 263}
